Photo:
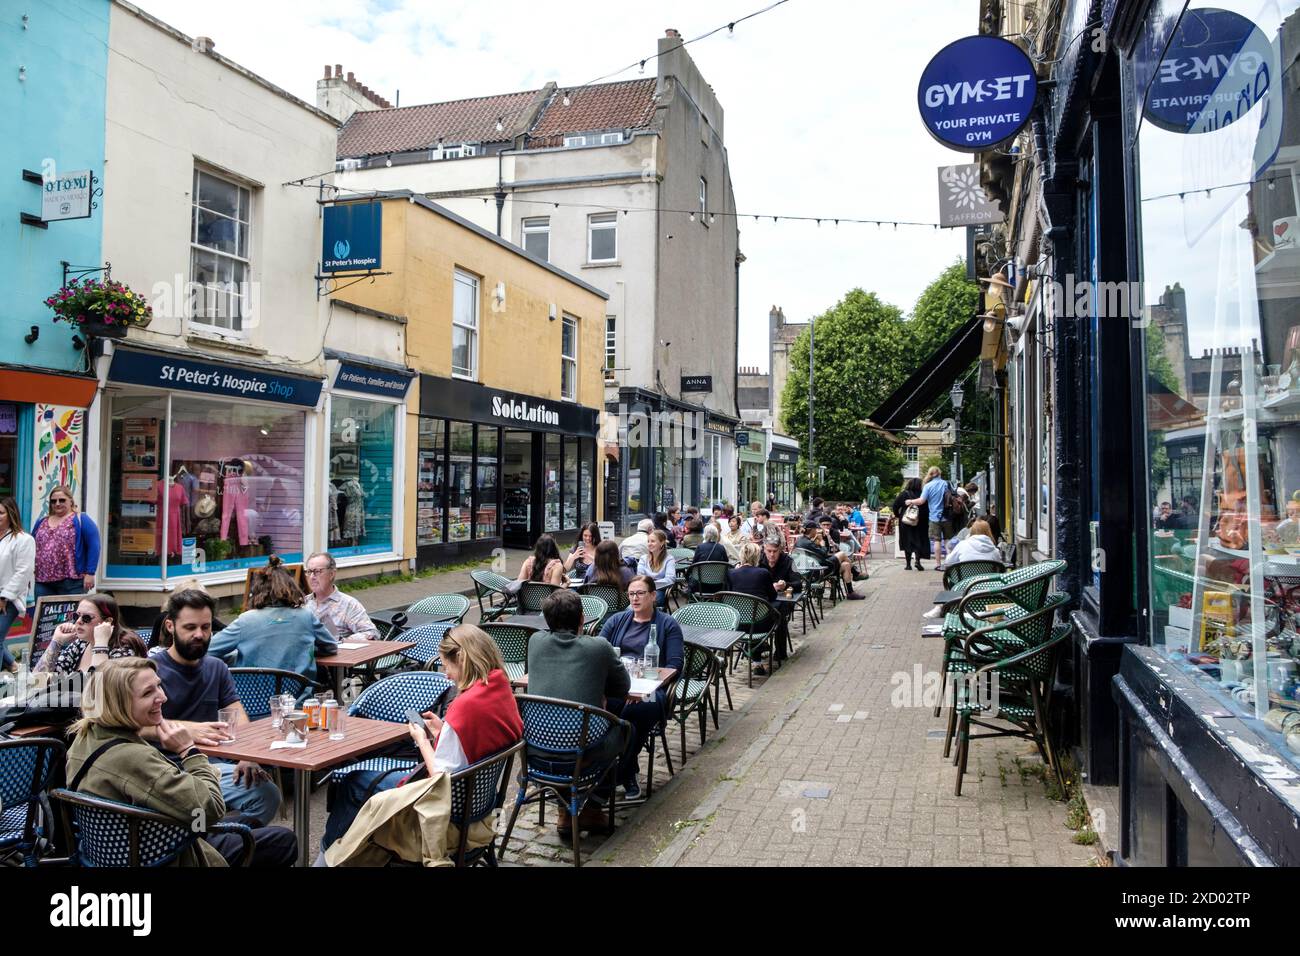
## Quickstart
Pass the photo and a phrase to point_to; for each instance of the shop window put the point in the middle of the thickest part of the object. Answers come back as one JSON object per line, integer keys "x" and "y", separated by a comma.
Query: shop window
{"x": 569, "y": 490}
{"x": 359, "y": 512}
{"x": 485, "y": 509}
{"x": 464, "y": 327}
{"x": 611, "y": 342}
{"x": 551, "y": 484}
{"x": 220, "y": 214}
{"x": 9, "y": 450}
{"x": 430, "y": 482}
{"x": 227, "y": 493}
{"x": 586, "y": 492}
{"x": 460, "y": 481}
{"x": 1221, "y": 275}
{"x": 635, "y": 467}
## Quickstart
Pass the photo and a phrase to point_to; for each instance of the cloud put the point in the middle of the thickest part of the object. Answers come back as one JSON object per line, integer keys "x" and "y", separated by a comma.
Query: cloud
{"x": 820, "y": 101}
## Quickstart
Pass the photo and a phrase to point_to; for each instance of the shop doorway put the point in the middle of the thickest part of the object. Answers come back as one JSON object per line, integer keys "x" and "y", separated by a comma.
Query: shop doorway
{"x": 517, "y": 489}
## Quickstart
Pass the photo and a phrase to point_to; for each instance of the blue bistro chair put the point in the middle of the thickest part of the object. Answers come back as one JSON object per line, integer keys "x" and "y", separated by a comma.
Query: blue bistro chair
{"x": 428, "y": 638}
{"x": 26, "y": 765}
{"x": 388, "y": 700}
{"x": 106, "y": 833}
{"x": 558, "y": 734}
{"x": 257, "y": 685}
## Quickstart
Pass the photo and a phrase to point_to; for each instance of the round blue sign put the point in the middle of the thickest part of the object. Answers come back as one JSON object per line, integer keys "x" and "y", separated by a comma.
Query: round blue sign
{"x": 1214, "y": 71}
{"x": 977, "y": 92}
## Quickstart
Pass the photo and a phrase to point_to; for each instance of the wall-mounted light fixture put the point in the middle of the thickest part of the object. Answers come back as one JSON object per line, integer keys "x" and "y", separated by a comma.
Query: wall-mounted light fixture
{"x": 31, "y": 337}
{"x": 552, "y": 313}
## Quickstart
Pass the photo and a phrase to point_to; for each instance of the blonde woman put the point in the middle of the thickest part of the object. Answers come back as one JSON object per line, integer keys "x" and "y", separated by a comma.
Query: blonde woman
{"x": 67, "y": 547}
{"x": 125, "y": 697}
{"x": 660, "y": 565}
{"x": 482, "y": 720}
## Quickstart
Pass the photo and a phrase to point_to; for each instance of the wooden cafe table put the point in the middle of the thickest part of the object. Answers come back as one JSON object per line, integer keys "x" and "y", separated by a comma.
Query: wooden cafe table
{"x": 349, "y": 657}
{"x": 364, "y": 736}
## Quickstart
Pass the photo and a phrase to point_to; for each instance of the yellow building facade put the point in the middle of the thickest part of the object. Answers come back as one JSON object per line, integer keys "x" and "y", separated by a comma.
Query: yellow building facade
{"x": 502, "y": 414}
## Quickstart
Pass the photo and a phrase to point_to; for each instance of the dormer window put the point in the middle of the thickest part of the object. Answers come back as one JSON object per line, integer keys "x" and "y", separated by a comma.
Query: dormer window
{"x": 606, "y": 138}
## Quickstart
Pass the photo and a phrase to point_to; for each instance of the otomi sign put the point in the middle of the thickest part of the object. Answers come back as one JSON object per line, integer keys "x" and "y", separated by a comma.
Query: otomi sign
{"x": 66, "y": 196}
{"x": 977, "y": 92}
{"x": 962, "y": 201}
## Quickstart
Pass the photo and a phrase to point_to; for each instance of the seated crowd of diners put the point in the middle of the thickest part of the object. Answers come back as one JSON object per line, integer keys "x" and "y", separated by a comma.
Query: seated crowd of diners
{"x": 155, "y": 708}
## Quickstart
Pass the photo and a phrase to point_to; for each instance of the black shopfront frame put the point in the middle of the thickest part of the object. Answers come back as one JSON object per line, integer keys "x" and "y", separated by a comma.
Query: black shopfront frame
{"x": 493, "y": 411}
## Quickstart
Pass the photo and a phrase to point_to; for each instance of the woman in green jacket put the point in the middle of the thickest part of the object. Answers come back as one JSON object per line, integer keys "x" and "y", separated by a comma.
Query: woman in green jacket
{"x": 124, "y": 697}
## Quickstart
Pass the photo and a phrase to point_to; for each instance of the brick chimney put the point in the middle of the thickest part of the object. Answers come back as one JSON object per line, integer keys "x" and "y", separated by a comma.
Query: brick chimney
{"x": 341, "y": 96}
{"x": 672, "y": 34}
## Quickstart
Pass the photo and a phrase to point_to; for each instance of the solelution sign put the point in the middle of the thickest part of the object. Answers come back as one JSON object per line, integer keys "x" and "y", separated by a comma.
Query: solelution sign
{"x": 977, "y": 93}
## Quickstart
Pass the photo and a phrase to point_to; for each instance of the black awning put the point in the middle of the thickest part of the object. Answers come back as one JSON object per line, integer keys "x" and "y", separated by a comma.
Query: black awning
{"x": 936, "y": 375}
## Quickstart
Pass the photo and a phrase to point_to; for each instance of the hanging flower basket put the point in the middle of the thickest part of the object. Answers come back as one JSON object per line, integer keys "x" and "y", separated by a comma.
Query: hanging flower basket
{"x": 105, "y": 309}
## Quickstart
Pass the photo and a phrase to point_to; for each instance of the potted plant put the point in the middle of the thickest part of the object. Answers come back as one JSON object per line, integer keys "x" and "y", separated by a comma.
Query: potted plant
{"x": 104, "y": 308}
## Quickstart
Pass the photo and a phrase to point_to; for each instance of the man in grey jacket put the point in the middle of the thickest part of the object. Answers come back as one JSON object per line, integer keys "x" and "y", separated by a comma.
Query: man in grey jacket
{"x": 569, "y": 665}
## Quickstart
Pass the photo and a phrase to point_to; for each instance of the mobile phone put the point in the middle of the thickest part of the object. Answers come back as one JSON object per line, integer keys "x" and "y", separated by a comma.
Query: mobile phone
{"x": 413, "y": 717}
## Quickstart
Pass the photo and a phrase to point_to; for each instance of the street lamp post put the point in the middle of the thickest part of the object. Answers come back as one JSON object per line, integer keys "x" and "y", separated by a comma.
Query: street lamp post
{"x": 957, "y": 396}
{"x": 812, "y": 430}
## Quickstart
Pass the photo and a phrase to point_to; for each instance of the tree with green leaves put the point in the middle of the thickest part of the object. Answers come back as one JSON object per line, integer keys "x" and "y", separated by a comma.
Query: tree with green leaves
{"x": 859, "y": 360}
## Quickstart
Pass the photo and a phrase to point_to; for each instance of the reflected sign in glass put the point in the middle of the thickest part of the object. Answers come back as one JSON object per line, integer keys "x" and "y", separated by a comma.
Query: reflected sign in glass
{"x": 1217, "y": 67}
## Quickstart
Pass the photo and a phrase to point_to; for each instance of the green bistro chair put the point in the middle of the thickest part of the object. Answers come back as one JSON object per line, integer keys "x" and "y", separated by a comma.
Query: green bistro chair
{"x": 758, "y": 620}
{"x": 490, "y": 590}
{"x": 615, "y": 598}
{"x": 965, "y": 570}
{"x": 718, "y": 617}
{"x": 704, "y": 578}
{"x": 690, "y": 693}
{"x": 453, "y": 606}
{"x": 594, "y": 612}
{"x": 512, "y": 641}
{"x": 532, "y": 594}
{"x": 1016, "y": 632}
{"x": 1026, "y": 588}
{"x": 1024, "y": 685}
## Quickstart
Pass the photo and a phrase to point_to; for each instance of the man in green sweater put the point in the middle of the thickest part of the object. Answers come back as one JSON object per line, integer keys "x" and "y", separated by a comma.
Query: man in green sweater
{"x": 566, "y": 664}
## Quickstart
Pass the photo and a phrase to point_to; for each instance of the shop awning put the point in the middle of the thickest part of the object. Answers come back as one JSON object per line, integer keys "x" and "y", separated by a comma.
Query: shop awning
{"x": 935, "y": 376}
{"x": 52, "y": 388}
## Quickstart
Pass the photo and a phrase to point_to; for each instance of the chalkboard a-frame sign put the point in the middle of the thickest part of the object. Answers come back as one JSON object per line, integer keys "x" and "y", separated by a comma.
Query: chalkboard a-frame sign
{"x": 51, "y": 611}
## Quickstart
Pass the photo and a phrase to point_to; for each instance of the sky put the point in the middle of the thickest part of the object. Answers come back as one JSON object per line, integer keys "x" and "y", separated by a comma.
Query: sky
{"x": 819, "y": 99}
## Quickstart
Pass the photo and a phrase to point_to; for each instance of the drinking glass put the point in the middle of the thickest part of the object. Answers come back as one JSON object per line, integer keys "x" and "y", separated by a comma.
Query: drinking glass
{"x": 277, "y": 713}
{"x": 227, "y": 716}
{"x": 336, "y": 721}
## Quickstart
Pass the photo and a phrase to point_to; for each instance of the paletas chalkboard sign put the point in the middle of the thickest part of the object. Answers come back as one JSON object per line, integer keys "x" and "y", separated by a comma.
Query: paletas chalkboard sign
{"x": 51, "y": 611}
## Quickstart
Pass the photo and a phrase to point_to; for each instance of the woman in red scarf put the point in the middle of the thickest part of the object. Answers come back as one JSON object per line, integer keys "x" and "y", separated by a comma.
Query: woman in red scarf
{"x": 482, "y": 720}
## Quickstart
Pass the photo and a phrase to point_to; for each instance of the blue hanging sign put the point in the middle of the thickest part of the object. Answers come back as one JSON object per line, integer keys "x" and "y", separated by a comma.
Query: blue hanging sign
{"x": 209, "y": 378}
{"x": 1217, "y": 66}
{"x": 374, "y": 381}
{"x": 977, "y": 92}
{"x": 352, "y": 237}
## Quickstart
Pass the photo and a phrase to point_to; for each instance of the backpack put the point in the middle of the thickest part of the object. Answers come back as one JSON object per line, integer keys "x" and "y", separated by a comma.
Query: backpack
{"x": 954, "y": 508}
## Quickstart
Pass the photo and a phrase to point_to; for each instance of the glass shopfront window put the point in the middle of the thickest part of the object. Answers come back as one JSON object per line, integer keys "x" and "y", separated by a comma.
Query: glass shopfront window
{"x": 485, "y": 487}
{"x": 360, "y": 490}
{"x": 781, "y": 480}
{"x": 586, "y": 488}
{"x": 430, "y": 481}
{"x": 9, "y": 450}
{"x": 635, "y": 471}
{"x": 1219, "y": 197}
{"x": 460, "y": 482}
{"x": 551, "y": 484}
{"x": 569, "y": 490}
{"x": 217, "y": 486}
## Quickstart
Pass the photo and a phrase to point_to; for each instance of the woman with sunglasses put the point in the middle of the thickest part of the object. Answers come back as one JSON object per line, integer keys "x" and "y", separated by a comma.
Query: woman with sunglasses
{"x": 67, "y": 547}
{"x": 17, "y": 561}
{"x": 93, "y": 636}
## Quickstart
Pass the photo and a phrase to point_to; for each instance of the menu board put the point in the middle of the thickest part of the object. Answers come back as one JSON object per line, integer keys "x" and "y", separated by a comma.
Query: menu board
{"x": 51, "y": 611}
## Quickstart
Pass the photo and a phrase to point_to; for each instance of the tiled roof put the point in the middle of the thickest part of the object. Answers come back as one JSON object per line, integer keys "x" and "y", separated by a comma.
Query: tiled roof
{"x": 369, "y": 132}
{"x": 626, "y": 105}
